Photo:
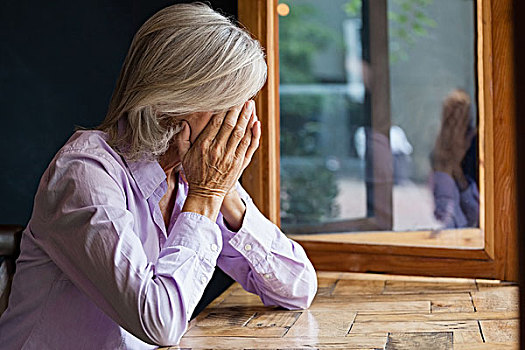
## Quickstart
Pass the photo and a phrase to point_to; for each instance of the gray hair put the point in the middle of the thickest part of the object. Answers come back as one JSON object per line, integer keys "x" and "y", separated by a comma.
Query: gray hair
{"x": 186, "y": 58}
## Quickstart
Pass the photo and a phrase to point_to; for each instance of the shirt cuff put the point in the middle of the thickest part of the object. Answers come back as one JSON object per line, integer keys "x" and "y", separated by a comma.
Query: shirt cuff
{"x": 198, "y": 233}
{"x": 254, "y": 239}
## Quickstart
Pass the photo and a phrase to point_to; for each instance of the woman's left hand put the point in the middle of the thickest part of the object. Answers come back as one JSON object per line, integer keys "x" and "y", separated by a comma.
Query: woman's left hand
{"x": 256, "y": 136}
{"x": 183, "y": 144}
{"x": 233, "y": 208}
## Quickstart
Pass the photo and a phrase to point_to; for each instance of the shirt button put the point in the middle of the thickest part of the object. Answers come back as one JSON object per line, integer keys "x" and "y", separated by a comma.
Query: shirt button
{"x": 248, "y": 247}
{"x": 203, "y": 279}
{"x": 214, "y": 247}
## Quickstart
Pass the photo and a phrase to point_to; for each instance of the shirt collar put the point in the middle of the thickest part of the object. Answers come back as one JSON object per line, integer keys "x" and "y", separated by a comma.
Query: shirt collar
{"x": 148, "y": 174}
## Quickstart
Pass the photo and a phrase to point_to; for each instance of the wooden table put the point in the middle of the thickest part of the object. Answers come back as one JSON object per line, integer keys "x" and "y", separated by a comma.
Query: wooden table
{"x": 366, "y": 311}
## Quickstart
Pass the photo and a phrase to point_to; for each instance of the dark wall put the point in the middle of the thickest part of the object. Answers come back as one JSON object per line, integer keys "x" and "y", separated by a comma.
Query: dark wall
{"x": 59, "y": 62}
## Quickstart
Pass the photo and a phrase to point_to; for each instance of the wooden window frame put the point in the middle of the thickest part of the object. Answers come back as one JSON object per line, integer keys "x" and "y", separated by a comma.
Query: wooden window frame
{"x": 498, "y": 214}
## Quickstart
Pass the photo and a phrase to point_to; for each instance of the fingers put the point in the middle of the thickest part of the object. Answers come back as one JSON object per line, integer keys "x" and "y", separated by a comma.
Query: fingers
{"x": 212, "y": 128}
{"x": 231, "y": 138}
{"x": 229, "y": 123}
{"x": 255, "y": 129}
{"x": 244, "y": 123}
{"x": 254, "y": 143}
{"x": 244, "y": 144}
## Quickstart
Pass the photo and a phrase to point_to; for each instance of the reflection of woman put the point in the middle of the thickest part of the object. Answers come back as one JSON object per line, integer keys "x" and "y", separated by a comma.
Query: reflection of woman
{"x": 122, "y": 241}
{"x": 456, "y": 194}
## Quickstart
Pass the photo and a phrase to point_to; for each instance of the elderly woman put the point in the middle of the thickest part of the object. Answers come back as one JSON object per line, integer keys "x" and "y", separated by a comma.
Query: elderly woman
{"x": 130, "y": 220}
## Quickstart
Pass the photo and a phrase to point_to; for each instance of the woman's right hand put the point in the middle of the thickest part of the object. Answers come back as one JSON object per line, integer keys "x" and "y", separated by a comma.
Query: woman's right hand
{"x": 216, "y": 159}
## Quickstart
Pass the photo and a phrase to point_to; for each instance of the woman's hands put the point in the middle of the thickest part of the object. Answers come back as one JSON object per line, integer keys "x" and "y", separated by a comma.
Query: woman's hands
{"x": 454, "y": 138}
{"x": 217, "y": 158}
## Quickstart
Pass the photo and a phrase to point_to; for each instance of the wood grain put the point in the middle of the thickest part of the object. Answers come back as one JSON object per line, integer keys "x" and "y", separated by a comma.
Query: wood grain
{"x": 487, "y": 346}
{"x": 325, "y": 286}
{"x": 339, "y": 300}
{"x": 447, "y": 306}
{"x": 500, "y": 331}
{"x": 496, "y": 299}
{"x": 410, "y": 287}
{"x": 400, "y": 264}
{"x": 450, "y": 316}
{"x": 471, "y": 238}
{"x": 353, "y": 287}
{"x": 261, "y": 179}
{"x": 505, "y": 205}
{"x": 280, "y": 319}
{"x": 391, "y": 307}
{"x": 433, "y": 340}
{"x": 359, "y": 320}
{"x": 322, "y": 324}
{"x": 416, "y": 326}
{"x": 361, "y": 341}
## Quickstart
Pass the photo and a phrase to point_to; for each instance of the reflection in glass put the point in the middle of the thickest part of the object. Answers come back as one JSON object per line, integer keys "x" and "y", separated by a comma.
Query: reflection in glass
{"x": 378, "y": 115}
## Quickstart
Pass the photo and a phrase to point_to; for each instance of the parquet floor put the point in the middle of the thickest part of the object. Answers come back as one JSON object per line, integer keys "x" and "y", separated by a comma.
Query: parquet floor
{"x": 367, "y": 311}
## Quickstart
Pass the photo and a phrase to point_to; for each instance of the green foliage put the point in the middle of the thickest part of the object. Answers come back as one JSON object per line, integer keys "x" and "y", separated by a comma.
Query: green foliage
{"x": 408, "y": 22}
{"x": 308, "y": 188}
{"x": 299, "y": 125}
{"x": 308, "y": 194}
{"x": 353, "y": 8}
{"x": 301, "y": 36}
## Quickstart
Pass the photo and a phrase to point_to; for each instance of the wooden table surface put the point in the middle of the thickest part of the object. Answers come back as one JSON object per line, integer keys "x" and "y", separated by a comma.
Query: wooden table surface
{"x": 366, "y": 311}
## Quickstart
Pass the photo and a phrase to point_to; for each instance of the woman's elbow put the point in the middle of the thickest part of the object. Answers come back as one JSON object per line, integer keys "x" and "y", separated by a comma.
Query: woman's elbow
{"x": 312, "y": 293}
{"x": 307, "y": 298}
{"x": 311, "y": 285}
{"x": 165, "y": 334}
{"x": 164, "y": 323}
{"x": 304, "y": 293}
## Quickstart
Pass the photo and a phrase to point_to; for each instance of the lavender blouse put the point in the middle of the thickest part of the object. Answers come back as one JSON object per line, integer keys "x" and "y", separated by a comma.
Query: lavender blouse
{"x": 99, "y": 270}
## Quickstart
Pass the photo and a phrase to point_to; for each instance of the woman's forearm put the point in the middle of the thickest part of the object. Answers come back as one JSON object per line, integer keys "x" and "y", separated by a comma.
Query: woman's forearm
{"x": 233, "y": 210}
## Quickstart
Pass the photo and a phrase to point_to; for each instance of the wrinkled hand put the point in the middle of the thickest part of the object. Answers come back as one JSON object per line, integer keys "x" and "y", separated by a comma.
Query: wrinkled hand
{"x": 215, "y": 161}
{"x": 254, "y": 145}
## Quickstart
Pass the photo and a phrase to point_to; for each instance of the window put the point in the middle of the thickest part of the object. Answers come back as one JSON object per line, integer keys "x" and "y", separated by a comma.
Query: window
{"x": 487, "y": 80}
{"x": 362, "y": 85}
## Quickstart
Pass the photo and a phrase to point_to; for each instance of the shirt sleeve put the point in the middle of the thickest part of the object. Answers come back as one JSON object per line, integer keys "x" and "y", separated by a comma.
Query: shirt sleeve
{"x": 265, "y": 262}
{"x": 82, "y": 222}
{"x": 469, "y": 202}
{"x": 447, "y": 201}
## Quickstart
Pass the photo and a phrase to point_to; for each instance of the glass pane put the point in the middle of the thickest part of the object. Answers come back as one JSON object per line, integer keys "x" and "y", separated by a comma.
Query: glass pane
{"x": 378, "y": 115}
